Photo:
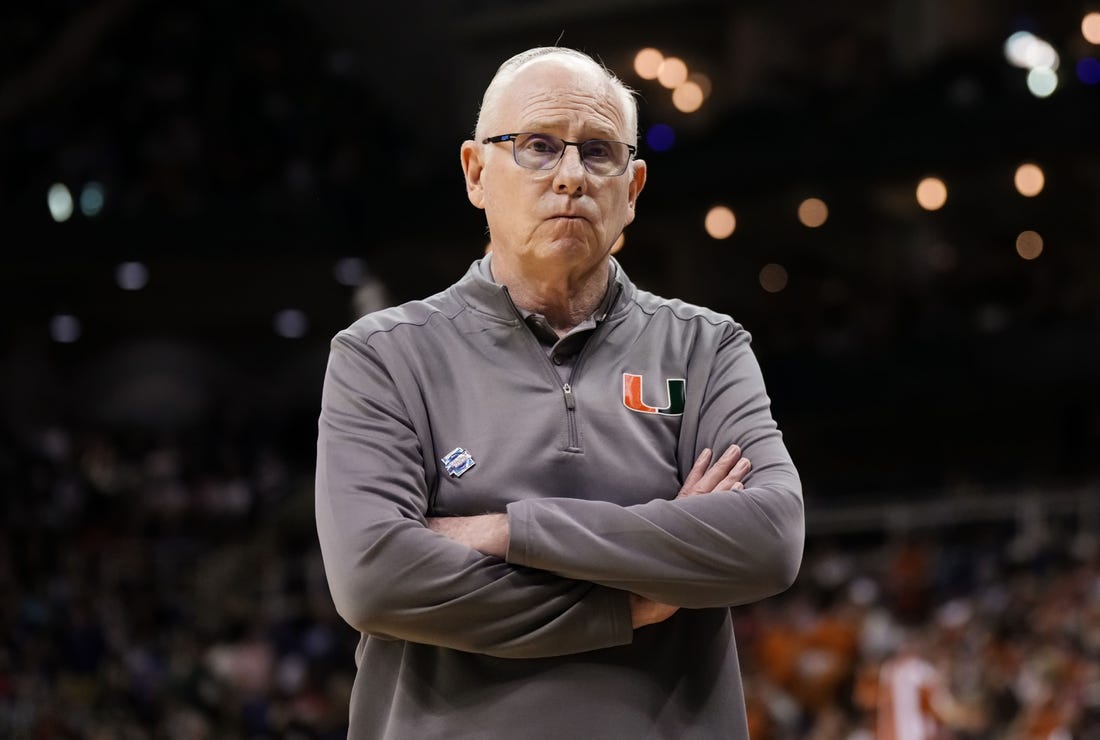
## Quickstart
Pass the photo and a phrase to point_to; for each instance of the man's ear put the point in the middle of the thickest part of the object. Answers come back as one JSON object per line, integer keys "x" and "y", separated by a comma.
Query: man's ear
{"x": 637, "y": 175}
{"x": 472, "y": 167}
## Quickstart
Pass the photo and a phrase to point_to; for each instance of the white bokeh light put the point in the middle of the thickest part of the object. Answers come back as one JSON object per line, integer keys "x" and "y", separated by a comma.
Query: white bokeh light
{"x": 64, "y": 328}
{"x": 60, "y": 202}
{"x": 131, "y": 275}
{"x": 1042, "y": 82}
{"x": 1027, "y": 51}
{"x": 291, "y": 323}
{"x": 350, "y": 271}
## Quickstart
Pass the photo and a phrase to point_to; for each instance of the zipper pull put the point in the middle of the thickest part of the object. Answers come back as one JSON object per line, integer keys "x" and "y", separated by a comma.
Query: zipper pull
{"x": 570, "y": 402}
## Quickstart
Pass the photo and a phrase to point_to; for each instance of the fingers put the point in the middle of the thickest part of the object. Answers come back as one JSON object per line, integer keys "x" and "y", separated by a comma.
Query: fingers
{"x": 722, "y": 467}
{"x": 696, "y": 473}
{"x": 732, "y": 481}
{"x": 725, "y": 474}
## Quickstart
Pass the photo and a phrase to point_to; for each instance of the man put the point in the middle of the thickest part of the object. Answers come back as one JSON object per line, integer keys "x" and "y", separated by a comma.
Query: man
{"x": 517, "y": 501}
{"x": 913, "y": 700}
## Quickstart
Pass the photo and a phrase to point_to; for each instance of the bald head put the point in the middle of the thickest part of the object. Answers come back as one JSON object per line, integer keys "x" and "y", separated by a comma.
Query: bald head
{"x": 623, "y": 96}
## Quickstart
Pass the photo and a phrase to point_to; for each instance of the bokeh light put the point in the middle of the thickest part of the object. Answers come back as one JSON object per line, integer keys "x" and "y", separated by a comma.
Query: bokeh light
{"x": 688, "y": 97}
{"x": 991, "y": 318}
{"x": 92, "y": 199}
{"x": 1029, "y": 180}
{"x": 773, "y": 278}
{"x": 813, "y": 212}
{"x": 60, "y": 202}
{"x": 646, "y": 63}
{"x": 350, "y": 271}
{"x": 1029, "y": 245}
{"x": 1027, "y": 51}
{"x": 720, "y": 222}
{"x": 660, "y": 137}
{"x": 931, "y": 193}
{"x": 131, "y": 276}
{"x": 672, "y": 72}
{"x": 1016, "y": 47}
{"x": 1090, "y": 27}
{"x": 1042, "y": 82}
{"x": 291, "y": 323}
{"x": 65, "y": 328}
{"x": 942, "y": 256}
{"x": 1088, "y": 71}
{"x": 703, "y": 82}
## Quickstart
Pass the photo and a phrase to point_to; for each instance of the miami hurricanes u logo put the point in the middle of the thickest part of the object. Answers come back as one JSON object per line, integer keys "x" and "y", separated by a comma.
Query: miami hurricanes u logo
{"x": 632, "y": 396}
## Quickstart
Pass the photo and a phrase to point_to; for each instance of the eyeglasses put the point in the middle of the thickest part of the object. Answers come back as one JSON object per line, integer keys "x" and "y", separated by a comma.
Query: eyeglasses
{"x": 543, "y": 152}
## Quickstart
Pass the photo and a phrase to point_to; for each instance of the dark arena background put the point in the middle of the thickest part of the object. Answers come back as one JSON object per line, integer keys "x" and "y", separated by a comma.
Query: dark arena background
{"x": 900, "y": 200}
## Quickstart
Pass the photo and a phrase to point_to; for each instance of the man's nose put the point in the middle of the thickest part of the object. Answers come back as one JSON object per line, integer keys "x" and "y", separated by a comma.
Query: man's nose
{"x": 570, "y": 174}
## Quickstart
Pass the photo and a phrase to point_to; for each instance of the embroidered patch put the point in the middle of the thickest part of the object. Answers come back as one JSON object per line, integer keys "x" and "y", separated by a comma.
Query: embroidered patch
{"x": 632, "y": 396}
{"x": 457, "y": 462}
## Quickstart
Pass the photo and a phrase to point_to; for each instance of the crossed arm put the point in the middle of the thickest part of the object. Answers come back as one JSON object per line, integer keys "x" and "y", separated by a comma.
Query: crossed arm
{"x": 568, "y": 575}
{"x": 489, "y": 533}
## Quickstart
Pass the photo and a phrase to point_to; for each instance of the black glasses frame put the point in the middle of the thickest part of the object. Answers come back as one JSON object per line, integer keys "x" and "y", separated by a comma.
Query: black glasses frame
{"x": 633, "y": 150}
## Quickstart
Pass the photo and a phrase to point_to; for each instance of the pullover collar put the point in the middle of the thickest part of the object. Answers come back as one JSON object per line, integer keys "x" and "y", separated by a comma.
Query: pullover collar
{"x": 477, "y": 290}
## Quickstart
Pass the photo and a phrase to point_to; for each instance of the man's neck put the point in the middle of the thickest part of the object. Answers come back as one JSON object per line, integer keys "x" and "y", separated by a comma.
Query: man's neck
{"x": 564, "y": 300}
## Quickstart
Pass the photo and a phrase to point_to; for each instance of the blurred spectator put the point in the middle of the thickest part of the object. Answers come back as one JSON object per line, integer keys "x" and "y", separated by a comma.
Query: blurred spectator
{"x": 911, "y": 700}
{"x": 149, "y": 587}
{"x": 134, "y": 603}
{"x": 1008, "y": 645}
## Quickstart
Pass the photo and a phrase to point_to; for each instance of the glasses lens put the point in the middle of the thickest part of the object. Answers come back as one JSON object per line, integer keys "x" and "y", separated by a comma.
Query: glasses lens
{"x": 605, "y": 157}
{"x": 543, "y": 151}
{"x": 538, "y": 151}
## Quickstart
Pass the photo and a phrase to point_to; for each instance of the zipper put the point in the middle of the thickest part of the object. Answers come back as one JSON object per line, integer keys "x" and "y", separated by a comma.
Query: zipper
{"x": 566, "y": 388}
{"x": 571, "y": 416}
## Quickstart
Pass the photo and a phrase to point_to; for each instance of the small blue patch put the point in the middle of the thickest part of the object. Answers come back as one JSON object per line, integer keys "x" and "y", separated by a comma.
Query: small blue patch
{"x": 457, "y": 462}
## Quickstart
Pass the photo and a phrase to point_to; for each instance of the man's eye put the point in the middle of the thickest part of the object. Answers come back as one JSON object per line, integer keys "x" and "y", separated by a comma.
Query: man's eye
{"x": 597, "y": 150}
{"x": 540, "y": 146}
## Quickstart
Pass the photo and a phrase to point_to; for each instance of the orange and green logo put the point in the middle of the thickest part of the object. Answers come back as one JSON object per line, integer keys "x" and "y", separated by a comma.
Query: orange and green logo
{"x": 632, "y": 396}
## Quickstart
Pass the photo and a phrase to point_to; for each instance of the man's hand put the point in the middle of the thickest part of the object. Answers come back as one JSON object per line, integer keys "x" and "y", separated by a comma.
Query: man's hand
{"x": 486, "y": 533}
{"x": 644, "y": 611}
{"x": 725, "y": 475}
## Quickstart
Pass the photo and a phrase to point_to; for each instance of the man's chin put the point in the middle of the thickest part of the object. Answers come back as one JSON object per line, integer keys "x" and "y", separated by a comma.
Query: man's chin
{"x": 570, "y": 250}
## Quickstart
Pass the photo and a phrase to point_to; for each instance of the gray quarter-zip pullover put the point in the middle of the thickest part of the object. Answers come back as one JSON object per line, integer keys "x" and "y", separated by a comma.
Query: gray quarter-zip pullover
{"x": 456, "y": 644}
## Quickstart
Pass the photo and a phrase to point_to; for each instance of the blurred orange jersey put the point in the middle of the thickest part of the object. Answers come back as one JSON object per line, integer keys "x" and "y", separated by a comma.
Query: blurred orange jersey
{"x": 907, "y": 694}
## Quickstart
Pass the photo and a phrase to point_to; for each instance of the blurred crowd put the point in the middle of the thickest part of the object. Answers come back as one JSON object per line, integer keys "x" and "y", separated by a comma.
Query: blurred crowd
{"x": 165, "y": 588}
{"x": 976, "y": 632}
{"x": 170, "y": 586}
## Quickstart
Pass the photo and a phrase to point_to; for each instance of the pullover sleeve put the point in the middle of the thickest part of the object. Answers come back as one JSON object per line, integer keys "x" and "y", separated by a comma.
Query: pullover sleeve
{"x": 392, "y": 577}
{"x": 718, "y": 549}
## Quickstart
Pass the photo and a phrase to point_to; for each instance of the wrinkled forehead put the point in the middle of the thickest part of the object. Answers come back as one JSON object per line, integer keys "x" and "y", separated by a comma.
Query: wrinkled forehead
{"x": 547, "y": 91}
